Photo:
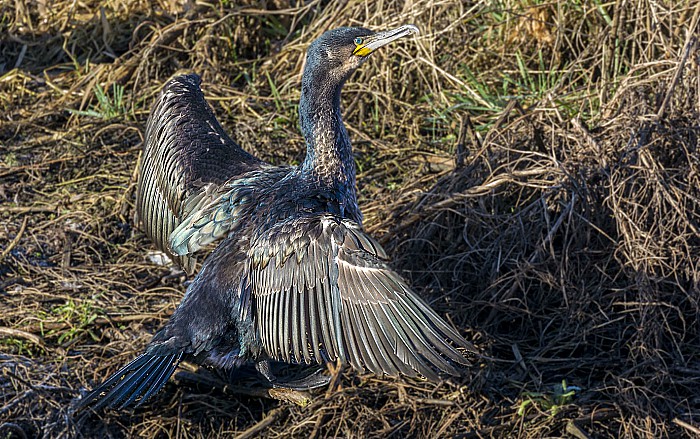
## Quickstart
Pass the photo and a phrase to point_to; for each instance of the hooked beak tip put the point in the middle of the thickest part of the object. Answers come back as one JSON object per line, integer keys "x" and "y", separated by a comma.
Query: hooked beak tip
{"x": 411, "y": 29}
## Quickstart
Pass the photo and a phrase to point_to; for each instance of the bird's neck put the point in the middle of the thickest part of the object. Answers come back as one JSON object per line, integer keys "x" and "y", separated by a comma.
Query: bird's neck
{"x": 329, "y": 157}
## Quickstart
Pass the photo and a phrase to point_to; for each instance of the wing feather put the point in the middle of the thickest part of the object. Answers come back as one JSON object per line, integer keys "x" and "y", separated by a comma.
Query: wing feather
{"x": 326, "y": 294}
{"x": 370, "y": 343}
{"x": 322, "y": 308}
{"x": 277, "y": 329}
{"x": 351, "y": 339}
{"x": 295, "y": 313}
{"x": 390, "y": 358}
{"x": 311, "y": 296}
{"x": 304, "y": 329}
{"x": 286, "y": 320}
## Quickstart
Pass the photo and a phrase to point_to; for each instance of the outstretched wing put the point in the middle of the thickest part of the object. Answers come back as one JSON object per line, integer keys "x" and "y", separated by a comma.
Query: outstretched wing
{"x": 322, "y": 291}
{"x": 186, "y": 156}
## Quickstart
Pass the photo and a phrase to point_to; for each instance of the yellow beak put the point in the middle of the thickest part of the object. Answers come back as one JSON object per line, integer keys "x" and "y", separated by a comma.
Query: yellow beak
{"x": 375, "y": 41}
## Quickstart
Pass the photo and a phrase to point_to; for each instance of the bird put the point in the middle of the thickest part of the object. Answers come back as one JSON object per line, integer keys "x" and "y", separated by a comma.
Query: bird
{"x": 295, "y": 278}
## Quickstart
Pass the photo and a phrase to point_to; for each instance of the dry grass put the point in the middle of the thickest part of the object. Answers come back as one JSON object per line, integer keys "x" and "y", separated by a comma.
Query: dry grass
{"x": 534, "y": 167}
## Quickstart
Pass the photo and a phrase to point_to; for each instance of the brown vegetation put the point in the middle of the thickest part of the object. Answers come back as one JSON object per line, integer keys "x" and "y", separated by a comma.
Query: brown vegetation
{"x": 533, "y": 167}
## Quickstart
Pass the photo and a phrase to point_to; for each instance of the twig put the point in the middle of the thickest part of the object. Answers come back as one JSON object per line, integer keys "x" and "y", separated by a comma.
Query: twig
{"x": 320, "y": 421}
{"x": 16, "y": 333}
{"x": 688, "y": 47}
{"x": 689, "y": 427}
{"x": 17, "y": 400}
{"x": 690, "y": 44}
{"x": 97, "y": 322}
{"x": 576, "y": 431}
{"x": 36, "y": 166}
{"x": 501, "y": 119}
{"x": 16, "y": 239}
{"x": 262, "y": 425}
{"x": 453, "y": 417}
{"x": 28, "y": 209}
{"x": 437, "y": 402}
{"x": 583, "y": 130}
{"x": 336, "y": 370}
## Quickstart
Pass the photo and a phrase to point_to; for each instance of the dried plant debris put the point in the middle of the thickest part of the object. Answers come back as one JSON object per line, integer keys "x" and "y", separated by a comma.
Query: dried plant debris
{"x": 532, "y": 167}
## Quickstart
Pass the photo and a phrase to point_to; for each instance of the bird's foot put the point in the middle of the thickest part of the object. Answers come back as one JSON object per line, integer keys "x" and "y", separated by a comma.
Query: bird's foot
{"x": 310, "y": 381}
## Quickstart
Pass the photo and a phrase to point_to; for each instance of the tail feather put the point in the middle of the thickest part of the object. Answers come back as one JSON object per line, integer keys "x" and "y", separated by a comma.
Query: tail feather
{"x": 141, "y": 378}
{"x": 161, "y": 380}
{"x": 125, "y": 387}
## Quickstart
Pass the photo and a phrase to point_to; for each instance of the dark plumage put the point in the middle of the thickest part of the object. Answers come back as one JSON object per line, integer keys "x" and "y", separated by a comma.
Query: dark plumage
{"x": 295, "y": 279}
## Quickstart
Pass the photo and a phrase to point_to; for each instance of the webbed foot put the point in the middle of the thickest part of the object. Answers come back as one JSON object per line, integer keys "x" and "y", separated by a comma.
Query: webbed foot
{"x": 309, "y": 381}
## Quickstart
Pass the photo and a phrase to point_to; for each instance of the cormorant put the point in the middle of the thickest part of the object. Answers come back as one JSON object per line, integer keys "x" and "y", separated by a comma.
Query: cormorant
{"x": 295, "y": 279}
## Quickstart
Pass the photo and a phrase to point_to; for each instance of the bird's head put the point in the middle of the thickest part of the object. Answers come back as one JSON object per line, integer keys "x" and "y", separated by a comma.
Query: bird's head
{"x": 338, "y": 52}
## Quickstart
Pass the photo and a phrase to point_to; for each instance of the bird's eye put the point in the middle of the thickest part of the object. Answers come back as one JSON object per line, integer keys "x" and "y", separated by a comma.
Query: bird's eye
{"x": 358, "y": 41}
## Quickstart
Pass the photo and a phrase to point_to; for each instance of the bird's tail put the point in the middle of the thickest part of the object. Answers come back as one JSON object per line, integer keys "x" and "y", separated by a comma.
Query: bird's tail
{"x": 133, "y": 384}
